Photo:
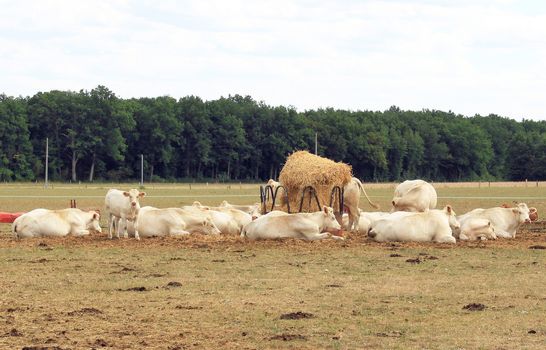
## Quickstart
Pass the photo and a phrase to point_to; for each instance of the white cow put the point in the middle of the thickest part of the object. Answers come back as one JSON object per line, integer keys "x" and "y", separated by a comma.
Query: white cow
{"x": 253, "y": 210}
{"x": 365, "y": 220}
{"x": 433, "y": 225}
{"x": 121, "y": 206}
{"x": 45, "y": 222}
{"x": 475, "y": 228}
{"x": 152, "y": 222}
{"x": 225, "y": 222}
{"x": 414, "y": 196}
{"x": 308, "y": 226}
{"x": 505, "y": 221}
{"x": 241, "y": 218}
{"x": 351, "y": 199}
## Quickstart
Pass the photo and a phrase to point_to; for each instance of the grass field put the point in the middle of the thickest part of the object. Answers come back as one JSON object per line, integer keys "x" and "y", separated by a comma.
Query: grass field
{"x": 223, "y": 292}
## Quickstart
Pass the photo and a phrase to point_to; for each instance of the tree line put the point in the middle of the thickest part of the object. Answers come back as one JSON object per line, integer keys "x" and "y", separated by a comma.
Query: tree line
{"x": 95, "y": 135}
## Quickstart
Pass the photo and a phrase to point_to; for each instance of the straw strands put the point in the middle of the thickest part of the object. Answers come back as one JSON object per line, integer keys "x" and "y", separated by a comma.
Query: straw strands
{"x": 305, "y": 169}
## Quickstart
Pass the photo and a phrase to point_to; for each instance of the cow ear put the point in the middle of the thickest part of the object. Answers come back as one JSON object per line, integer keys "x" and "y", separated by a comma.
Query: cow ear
{"x": 325, "y": 209}
{"x": 142, "y": 194}
{"x": 449, "y": 209}
{"x": 95, "y": 216}
{"x": 393, "y": 203}
{"x": 126, "y": 194}
{"x": 515, "y": 210}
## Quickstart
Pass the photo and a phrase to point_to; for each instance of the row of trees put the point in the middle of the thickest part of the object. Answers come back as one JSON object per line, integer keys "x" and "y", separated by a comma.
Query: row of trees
{"x": 96, "y": 135}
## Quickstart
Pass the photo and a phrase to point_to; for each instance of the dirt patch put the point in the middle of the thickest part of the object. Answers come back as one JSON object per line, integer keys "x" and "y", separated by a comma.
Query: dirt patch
{"x": 133, "y": 289}
{"x": 334, "y": 286}
{"x": 395, "y": 256}
{"x": 537, "y": 247}
{"x": 14, "y": 333}
{"x": 85, "y": 311}
{"x": 474, "y": 307}
{"x": 288, "y": 337}
{"x": 173, "y": 284}
{"x": 100, "y": 342}
{"x": 393, "y": 334}
{"x": 296, "y": 316}
{"x": 414, "y": 261}
{"x": 188, "y": 307}
{"x": 42, "y": 348}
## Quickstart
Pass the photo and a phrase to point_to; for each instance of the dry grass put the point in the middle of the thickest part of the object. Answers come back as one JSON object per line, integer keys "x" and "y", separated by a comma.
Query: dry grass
{"x": 304, "y": 169}
{"x": 223, "y": 292}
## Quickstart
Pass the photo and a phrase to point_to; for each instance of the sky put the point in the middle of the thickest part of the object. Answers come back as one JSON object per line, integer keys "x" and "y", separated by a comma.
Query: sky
{"x": 468, "y": 57}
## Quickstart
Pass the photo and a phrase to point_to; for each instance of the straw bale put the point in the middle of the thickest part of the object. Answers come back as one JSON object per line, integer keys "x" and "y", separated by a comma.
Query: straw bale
{"x": 305, "y": 169}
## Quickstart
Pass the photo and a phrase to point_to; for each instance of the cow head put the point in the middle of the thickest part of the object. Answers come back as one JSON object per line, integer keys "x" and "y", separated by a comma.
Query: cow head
{"x": 330, "y": 221}
{"x": 94, "y": 223}
{"x": 209, "y": 228}
{"x": 134, "y": 195}
{"x": 452, "y": 218}
{"x": 521, "y": 212}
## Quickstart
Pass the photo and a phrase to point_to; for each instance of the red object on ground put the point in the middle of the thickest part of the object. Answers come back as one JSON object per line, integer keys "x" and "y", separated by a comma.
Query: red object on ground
{"x": 8, "y": 218}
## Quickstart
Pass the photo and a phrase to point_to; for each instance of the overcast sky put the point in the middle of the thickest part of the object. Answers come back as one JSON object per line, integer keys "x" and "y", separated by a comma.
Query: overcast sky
{"x": 470, "y": 57}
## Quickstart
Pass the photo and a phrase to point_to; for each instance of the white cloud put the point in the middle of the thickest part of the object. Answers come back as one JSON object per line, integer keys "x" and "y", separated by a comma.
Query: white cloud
{"x": 465, "y": 56}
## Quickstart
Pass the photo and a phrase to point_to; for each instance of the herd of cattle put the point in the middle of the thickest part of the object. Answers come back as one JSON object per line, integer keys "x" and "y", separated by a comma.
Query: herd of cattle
{"x": 413, "y": 217}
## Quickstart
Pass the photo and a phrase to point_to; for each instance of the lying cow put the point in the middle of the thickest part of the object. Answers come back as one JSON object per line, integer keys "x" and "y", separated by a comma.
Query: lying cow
{"x": 253, "y": 210}
{"x": 45, "y": 222}
{"x": 307, "y": 226}
{"x": 153, "y": 222}
{"x": 121, "y": 206}
{"x": 476, "y": 228}
{"x": 505, "y": 221}
{"x": 433, "y": 225}
{"x": 240, "y": 217}
{"x": 414, "y": 196}
{"x": 365, "y": 220}
{"x": 351, "y": 199}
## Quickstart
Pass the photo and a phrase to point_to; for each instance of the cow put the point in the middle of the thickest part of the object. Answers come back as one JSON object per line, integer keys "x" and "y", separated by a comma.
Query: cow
{"x": 505, "y": 221}
{"x": 240, "y": 217}
{"x": 225, "y": 222}
{"x": 121, "y": 206}
{"x": 152, "y": 222}
{"x": 476, "y": 228}
{"x": 433, "y": 225}
{"x": 365, "y": 220}
{"x": 62, "y": 222}
{"x": 253, "y": 210}
{"x": 351, "y": 199}
{"x": 414, "y": 196}
{"x": 307, "y": 226}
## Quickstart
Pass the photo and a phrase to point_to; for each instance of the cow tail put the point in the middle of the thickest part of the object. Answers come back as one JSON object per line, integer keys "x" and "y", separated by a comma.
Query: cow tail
{"x": 376, "y": 206}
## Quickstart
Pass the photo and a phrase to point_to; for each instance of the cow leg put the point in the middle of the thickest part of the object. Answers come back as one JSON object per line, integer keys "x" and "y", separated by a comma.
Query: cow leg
{"x": 179, "y": 233}
{"x": 135, "y": 225}
{"x": 82, "y": 233}
{"x": 110, "y": 225}
{"x": 446, "y": 239}
{"x": 120, "y": 226}
{"x": 503, "y": 234}
{"x": 317, "y": 236}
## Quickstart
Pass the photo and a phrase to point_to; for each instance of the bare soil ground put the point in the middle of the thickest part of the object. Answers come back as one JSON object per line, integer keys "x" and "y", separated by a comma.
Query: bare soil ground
{"x": 206, "y": 292}
{"x": 202, "y": 292}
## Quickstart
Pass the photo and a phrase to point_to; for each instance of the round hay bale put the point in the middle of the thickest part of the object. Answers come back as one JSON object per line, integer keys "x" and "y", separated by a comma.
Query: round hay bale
{"x": 303, "y": 169}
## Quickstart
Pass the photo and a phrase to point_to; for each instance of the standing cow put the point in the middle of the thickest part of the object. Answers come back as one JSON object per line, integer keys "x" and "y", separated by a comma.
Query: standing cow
{"x": 414, "y": 196}
{"x": 45, "y": 222}
{"x": 351, "y": 199}
{"x": 122, "y": 206}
